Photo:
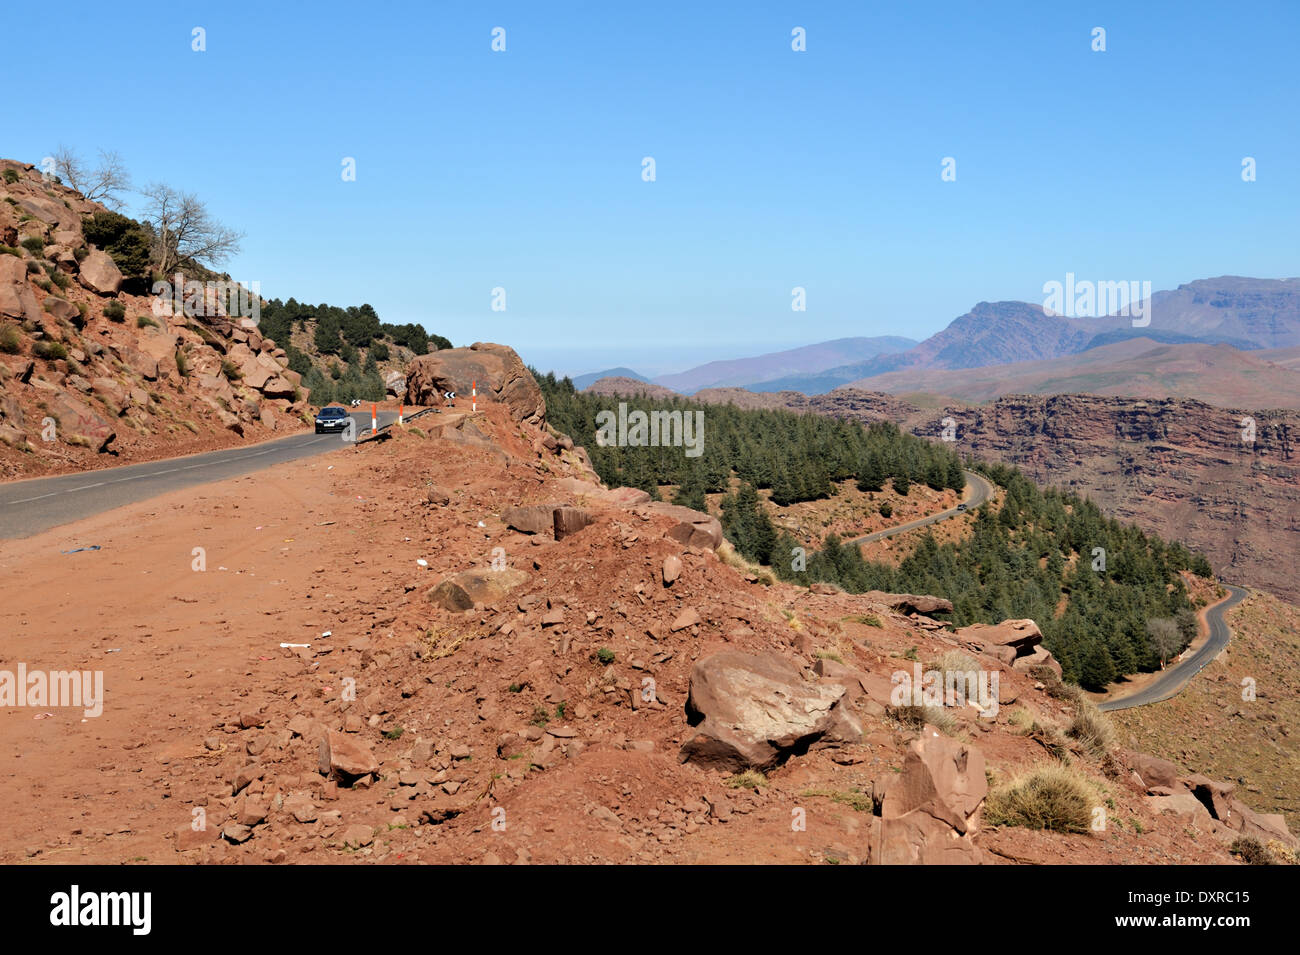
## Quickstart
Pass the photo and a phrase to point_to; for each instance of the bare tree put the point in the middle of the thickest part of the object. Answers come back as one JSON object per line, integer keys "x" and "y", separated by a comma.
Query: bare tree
{"x": 1166, "y": 638}
{"x": 184, "y": 230}
{"x": 100, "y": 184}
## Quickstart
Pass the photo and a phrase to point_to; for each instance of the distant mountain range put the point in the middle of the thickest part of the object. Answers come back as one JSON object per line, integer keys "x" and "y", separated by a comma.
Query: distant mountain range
{"x": 1227, "y": 340}
{"x": 1246, "y": 313}
{"x": 751, "y": 372}
{"x": 1132, "y": 367}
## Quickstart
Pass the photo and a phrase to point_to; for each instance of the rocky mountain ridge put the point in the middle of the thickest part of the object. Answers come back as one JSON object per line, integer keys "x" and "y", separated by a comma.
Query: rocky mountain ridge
{"x": 93, "y": 374}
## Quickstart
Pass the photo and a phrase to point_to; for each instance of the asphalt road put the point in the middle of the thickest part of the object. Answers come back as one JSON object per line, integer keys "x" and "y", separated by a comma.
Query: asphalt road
{"x": 980, "y": 490}
{"x": 1171, "y": 682}
{"x": 29, "y": 507}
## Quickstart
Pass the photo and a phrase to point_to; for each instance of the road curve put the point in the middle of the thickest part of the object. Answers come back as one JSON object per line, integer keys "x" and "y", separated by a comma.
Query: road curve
{"x": 980, "y": 490}
{"x": 31, "y": 506}
{"x": 1172, "y": 681}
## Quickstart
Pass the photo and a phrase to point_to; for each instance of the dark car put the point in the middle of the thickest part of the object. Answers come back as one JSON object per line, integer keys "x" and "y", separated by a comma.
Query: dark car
{"x": 961, "y": 507}
{"x": 332, "y": 418}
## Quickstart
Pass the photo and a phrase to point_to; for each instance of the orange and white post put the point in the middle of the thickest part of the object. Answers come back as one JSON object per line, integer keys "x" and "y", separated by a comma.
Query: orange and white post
{"x": 374, "y": 420}
{"x": 473, "y": 393}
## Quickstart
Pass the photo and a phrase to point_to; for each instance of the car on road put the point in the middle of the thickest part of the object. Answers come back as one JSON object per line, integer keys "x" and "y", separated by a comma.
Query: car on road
{"x": 961, "y": 507}
{"x": 331, "y": 418}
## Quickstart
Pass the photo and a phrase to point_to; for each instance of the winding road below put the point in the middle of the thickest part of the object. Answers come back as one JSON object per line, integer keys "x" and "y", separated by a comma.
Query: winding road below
{"x": 31, "y": 506}
{"x": 980, "y": 490}
{"x": 1172, "y": 680}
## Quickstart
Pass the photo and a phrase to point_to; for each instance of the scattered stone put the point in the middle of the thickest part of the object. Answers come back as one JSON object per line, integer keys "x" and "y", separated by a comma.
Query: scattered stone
{"x": 672, "y": 569}
{"x": 346, "y": 758}
{"x": 687, "y": 618}
{"x": 754, "y": 711}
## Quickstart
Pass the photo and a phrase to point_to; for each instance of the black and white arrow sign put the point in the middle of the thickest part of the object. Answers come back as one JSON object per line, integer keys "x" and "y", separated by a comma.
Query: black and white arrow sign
{"x": 449, "y": 395}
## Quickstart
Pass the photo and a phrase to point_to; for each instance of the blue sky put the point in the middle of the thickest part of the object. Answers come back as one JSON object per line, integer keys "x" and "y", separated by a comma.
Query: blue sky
{"x": 775, "y": 169}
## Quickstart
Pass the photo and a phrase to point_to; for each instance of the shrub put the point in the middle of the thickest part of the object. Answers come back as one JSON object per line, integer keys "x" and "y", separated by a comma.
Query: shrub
{"x": 10, "y": 341}
{"x": 1251, "y": 851}
{"x": 749, "y": 779}
{"x": 1055, "y": 688}
{"x": 144, "y": 321}
{"x": 1052, "y": 797}
{"x": 954, "y": 661}
{"x": 11, "y": 176}
{"x": 915, "y": 717}
{"x": 1092, "y": 728}
{"x": 605, "y": 655}
{"x": 230, "y": 371}
{"x": 182, "y": 363}
{"x": 33, "y": 244}
{"x": 50, "y": 351}
{"x": 33, "y": 268}
{"x": 379, "y": 351}
{"x": 115, "y": 312}
{"x": 10, "y": 250}
{"x": 125, "y": 240}
{"x": 886, "y": 509}
{"x": 865, "y": 619}
{"x": 60, "y": 279}
{"x": 45, "y": 285}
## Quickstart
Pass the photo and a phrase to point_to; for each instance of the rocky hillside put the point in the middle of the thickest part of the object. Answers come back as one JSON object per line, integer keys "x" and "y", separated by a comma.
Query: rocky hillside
{"x": 515, "y": 664}
{"x": 1176, "y": 466}
{"x": 93, "y": 374}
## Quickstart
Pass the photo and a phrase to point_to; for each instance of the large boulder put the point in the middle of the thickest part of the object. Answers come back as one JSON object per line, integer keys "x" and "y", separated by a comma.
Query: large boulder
{"x": 110, "y": 390}
{"x": 278, "y": 386}
{"x": 567, "y": 521}
{"x": 1021, "y": 635}
{"x": 345, "y": 757}
{"x": 62, "y": 309}
{"x": 16, "y": 298}
{"x": 930, "y": 813}
{"x": 1154, "y": 771}
{"x": 50, "y": 211}
{"x": 909, "y": 603}
{"x": 499, "y": 373}
{"x": 691, "y": 528}
{"x": 78, "y": 424}
{"x": 100, "y": 273}
{"x": 462, "y": 591}
{"x": 1039, "y": 656}
{"x": 140, "y": 362}
{"x": 530, "y": 519}
{"x": 754, "y": 711}
{"x": 1182, "y": 805}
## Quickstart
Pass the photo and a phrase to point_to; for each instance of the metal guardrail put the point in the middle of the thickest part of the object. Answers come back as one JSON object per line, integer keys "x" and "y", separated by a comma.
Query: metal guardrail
{"x": 375, "y": 434}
